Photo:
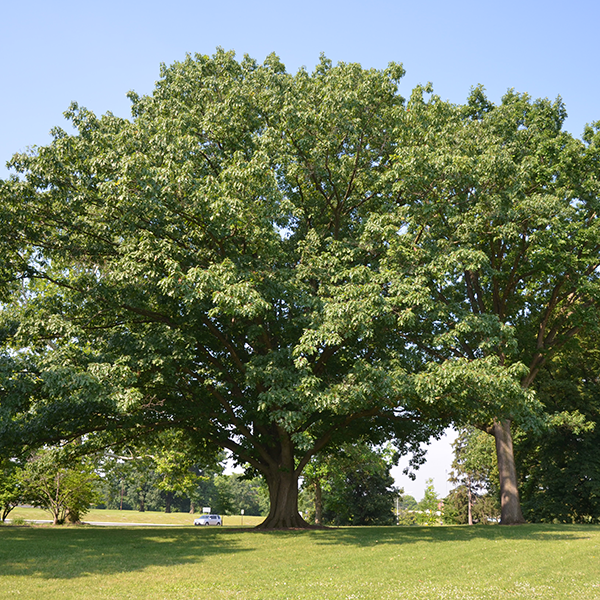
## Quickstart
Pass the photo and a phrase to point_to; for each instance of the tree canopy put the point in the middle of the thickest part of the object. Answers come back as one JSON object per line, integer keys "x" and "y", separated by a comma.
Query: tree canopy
{"x": 274, "y": 263}
{"x": 207, "y": 266}
{"x": 561, "y": 465}
{"x": 502, "y": 207}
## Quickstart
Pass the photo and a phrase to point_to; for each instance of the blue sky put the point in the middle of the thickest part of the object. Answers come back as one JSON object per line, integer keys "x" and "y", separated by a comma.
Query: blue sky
{"x": 94, "y": 52}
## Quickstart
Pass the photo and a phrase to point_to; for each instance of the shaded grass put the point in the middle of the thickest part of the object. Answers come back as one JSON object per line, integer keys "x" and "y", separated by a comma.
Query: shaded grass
{"x": 533, "y": 561}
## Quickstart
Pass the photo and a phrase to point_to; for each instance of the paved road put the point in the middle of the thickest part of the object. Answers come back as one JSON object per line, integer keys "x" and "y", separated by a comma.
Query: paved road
{"x": 105, "y": 524}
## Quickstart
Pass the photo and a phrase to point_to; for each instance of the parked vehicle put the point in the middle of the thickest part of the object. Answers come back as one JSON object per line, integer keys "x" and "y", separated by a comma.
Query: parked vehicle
{"x": 209, "y": 520}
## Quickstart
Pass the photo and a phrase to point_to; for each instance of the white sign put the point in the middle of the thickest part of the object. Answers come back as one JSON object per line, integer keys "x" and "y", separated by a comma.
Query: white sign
{"x": 242, "y": 511}
{"x": 206, "y": 509}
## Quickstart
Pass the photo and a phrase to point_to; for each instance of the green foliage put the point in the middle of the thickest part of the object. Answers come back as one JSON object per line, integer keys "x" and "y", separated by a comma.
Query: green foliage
{"x": 132, "y": 484}
{"x": 499, "y": 208}
{"x": 430, "y": 506}
{"x": 355, "y": 486}
{"x": 275, "y": 263}
{"x": 475, "y": 460}
{"x": 162, "y": 472}
{"x": 11, "y": 491}
{"x": 407, "y": 502}
{"x": 561, "y": 465}
{"x": 407, "y": 513}
{"x": 237, "y": 494}
{"x": 170, "y": 477}
{"x": 208, "y": 265}
{"x": 64, "y": 486}
{"x": 475, "y": 469}
{"x": 485, "y": 507}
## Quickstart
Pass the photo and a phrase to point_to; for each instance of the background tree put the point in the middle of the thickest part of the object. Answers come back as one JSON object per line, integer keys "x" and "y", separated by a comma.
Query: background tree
{"x": 407, "y": 502}
{"x": 561, "y": 464}
{"x": 501, "y": 206}
{"x": 354, "y": 487}
{"x": 485, "y": 507}
{"x": 159, "y": 472}
{"x": 475, "y": 469}
{"x": 429, "y": 506}
{"x": 407, "y": 510}
{"x": 206, "y": 492}
{"x": 177, "y": 464}
{"x": 237, "y": 493}
{"x": 63, "y": 486}
{"x": 315, "y": 477}
{"x": 11, "y": 489}
{"x": 141, "y": 483}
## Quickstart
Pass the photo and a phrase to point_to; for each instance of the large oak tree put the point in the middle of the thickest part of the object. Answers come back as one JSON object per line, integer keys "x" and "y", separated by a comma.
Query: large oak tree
{"x": 201, "y": 266}
{"x": 226, "y": 263}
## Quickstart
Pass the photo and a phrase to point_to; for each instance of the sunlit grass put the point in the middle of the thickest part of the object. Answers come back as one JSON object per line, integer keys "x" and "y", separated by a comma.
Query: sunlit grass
{"x": 532, "y": 561}
{"x": 134, "y": 516}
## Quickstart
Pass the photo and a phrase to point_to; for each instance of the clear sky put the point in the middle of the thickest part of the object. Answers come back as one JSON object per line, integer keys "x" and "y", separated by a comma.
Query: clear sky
{"x": 94, "y": 52}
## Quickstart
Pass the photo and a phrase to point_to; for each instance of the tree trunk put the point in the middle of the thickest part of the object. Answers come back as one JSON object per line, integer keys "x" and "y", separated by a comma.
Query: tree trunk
{"x": 283, "y": 495}
{"x": 509, "y": 492}
{"x": 168, "y": 500}
{"x": 57, "y": 518}
{"x": 469, "y": 502}
{"x": 318, "y": 503}
{"x": 281, "y": 476}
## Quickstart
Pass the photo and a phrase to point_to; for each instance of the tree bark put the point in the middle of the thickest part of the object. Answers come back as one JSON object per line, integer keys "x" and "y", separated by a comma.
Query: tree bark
{"x": 281, "y": 473}
{"x": 283, "y": 495}
{"x": 509, "y": 492}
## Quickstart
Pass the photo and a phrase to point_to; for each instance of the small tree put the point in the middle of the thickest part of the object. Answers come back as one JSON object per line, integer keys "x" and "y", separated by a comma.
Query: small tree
{"x": 407, "y": 509}
{"x": 66, "y": 490}
{"x": 11, "y": 492}
{"x": 429, "y": 506}
{"x": 485, "y": 508}
{"x": 475, "y": 468}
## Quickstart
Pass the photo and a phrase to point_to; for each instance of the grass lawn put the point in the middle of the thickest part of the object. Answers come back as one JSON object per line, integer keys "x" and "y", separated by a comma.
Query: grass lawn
{"x": 532, "y": 561}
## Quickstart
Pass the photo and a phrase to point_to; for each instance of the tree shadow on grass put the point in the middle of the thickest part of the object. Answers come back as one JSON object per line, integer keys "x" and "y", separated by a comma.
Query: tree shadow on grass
{"x": 69, "y": 553}
{"x": 370, "y": 536}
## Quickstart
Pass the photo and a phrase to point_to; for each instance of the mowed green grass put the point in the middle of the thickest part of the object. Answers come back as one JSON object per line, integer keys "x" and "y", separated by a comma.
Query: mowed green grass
{"x": 532, "y": 561}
